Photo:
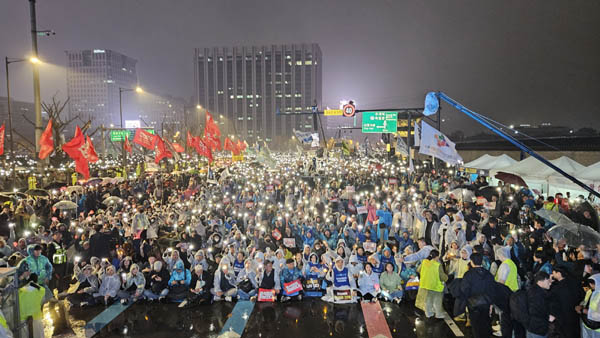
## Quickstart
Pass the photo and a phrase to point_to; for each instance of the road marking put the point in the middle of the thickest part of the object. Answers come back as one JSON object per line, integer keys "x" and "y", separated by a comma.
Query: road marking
{"x": 234, "y": 327}
{"x": 377, "y": 326}
{"x": 100, "y": 321}
{"x": 452, "y": 325}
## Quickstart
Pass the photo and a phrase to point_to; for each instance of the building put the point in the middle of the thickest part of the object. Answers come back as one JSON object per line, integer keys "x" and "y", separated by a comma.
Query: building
{"x": 24, "y": 131}
{"x": 93, "y": 81}
{"x": 161, "y": 112}
{"x": 260, "y": 91}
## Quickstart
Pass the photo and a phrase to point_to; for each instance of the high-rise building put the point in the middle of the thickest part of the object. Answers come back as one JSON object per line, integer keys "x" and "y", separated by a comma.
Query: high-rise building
{"x": 21, "y": 111}
{"x": 93, "y": 81}
{"x": 260, "y": 91}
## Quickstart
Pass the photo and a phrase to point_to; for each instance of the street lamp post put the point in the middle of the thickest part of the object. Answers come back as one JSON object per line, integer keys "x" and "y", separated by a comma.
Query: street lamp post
{"x": 121, "y": 90}
{"x": 8, "y": 61}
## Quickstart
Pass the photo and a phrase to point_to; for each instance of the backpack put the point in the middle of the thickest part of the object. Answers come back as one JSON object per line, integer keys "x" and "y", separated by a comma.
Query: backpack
{"x": 519, "y": 309}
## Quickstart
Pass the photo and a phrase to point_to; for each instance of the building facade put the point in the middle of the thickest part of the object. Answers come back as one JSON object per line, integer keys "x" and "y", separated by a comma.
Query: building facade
{"x": 257, "y": 93}
{"x": 93, "y": 81}
{"x": 23, "y": 130}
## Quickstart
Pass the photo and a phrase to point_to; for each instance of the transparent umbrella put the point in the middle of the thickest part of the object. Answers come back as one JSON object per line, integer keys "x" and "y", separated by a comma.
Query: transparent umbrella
{"x": 112, "y": 200}
{"x": 65, "y": 205}
{"x": 575, "y": 234}
{"x": 554, "y": 217}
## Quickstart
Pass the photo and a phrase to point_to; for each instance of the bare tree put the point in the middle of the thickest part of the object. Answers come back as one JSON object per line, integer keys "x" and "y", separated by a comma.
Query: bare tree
{"x": 55, "y": 110}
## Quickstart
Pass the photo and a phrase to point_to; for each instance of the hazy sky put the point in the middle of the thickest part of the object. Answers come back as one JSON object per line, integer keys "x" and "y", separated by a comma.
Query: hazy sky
{"x": 515, "y": 61}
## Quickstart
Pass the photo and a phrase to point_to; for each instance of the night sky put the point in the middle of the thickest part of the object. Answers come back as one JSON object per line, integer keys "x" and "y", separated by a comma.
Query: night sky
{"x": 515, "y": 61}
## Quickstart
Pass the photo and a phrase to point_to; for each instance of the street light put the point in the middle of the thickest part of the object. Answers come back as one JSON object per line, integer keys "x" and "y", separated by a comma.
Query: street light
{"x": 138, "y": 90}
{"x": 198, "y": 106}
{"x": 8, "y": 61}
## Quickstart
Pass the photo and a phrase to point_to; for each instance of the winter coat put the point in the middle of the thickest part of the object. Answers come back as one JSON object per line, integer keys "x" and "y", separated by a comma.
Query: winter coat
{"x": 180, "y": 273}
{"x": 289, "y": 275}
{"x": 92, "y": 280}
{"x": 539, "y": 310}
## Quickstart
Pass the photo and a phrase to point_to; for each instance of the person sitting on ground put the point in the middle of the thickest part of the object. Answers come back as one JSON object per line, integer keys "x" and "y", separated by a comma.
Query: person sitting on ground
{"x": 341, "y": 280}
{"x": 133, "y": 285}
{"x": 289, "y": 274}
{"x": 199, "y": 287}
{"x": 224, "y": 284}
{"x": 179, "y": 283}
{"x": 109, "y": 288}
{"x": 391, "y": 284}
{"x": 368, "y": 283}
{"x": 157, "y": 282}
{"x": 88, "y": 285}
{"x": 246, "y": 282}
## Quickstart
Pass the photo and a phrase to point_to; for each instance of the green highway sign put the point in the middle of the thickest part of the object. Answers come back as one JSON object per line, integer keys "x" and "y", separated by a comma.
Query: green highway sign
{"x": 118, "y": 135}
{"x": 380, "y": 122}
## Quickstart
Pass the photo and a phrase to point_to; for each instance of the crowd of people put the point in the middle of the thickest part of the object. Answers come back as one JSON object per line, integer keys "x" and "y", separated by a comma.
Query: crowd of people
{"x": 338, "y": 229}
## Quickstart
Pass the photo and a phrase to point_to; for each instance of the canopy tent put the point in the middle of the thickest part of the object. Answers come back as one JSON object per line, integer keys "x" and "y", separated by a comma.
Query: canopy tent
{"x": 570, "y": 166}
{"x": 590, "y": 173}
{"x": 478, "y": 162}
{"x": 522, "y": 168}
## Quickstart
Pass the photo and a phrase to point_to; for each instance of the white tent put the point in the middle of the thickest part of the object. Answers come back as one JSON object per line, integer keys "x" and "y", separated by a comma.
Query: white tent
{"x": 590, "y": 173}
{"x": 476, "y": 163}
{"x": 522, "y": 168}
{"x": 566, "y": 164}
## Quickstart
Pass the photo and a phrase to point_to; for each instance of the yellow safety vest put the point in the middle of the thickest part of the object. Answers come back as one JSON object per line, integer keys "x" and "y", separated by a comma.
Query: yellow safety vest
{"x": 30, "y": 302}
{"x": 511, "y": 280}
{"x": 430, "y": 276}
{"x": 60, "y": 256}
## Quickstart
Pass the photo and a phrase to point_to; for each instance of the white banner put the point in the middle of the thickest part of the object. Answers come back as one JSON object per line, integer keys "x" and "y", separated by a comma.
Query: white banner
{"x": 417, "y": 135}
{"x": 438, "y": 145}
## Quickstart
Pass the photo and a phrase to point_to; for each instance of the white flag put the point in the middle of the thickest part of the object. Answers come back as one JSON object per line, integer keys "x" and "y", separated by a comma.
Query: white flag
{"x": 417, "y": 135}
{"x": 401, "y": 146}
{"x": 438, "y": 145}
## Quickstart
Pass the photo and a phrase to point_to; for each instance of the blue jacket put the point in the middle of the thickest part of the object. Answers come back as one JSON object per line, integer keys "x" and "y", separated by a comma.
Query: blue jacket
{"x": 41, "y": 266}
{"x": 289, "y": 275}
{"x": 177, "y": 276}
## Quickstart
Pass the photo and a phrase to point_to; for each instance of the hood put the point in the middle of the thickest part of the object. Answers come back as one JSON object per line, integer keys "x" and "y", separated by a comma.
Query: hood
{"x": 178, "y": 265}
{"x": 388, "y": 250}
{"x": 596, "y": 279}
{"x": 311, "y": 255}
{"x": 280, "y": 251}
{"x": 339, "y": 259}
{"x": 260, "y": 255}
{"x": 503, "y": 253}
{"x": 353, "y": 259}
{"x": 468, "y": 249}
{"x": 94, "y": 260}
{"x": 30, "y": 249}
{"x": 341, "y": 241}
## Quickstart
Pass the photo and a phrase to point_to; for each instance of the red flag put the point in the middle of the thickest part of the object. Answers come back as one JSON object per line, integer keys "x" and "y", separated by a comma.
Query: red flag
{"x": 241, "y": 146}
{"x": 212, "y": 142}
{"x": 178, "y": 148}
{"x": 46, "y": 142}
{"x": 190, "y": 140}
{"x": 91, "y": 152}
{"x": 229, "y": 145}
{"x": 126, "y": 145}
{"x": 2, "y": 131}
{"x": 211, "y": 128}
{"x": 161, "y": 150}
{"x": 144, "y": 138}
{"x": 77, "y": 149}
{"x": 204, "y": 150}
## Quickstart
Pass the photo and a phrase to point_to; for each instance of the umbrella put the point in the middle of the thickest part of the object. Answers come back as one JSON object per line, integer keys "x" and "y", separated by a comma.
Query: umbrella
{"x": 15, "y": 194}
{"x": 113, "y": 200}
{"x": 93, "y": 180}
{"x": 65, "y": 205}
{"x": 510, "y": 178}
{"x": 118, "y": 179}
{"x": 55, "y": 185}
{"x": 575, "y": 234}
{"x": 107, "y": 180}
{"x": 37, "y": 192}
{"x": 76, "y": 188}
{"x": 554, "y": 217}
{"x": 487, "y": 192}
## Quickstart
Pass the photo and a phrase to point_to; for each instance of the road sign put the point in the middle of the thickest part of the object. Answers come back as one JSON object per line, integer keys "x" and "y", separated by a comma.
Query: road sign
{"x": 118, "y": 135}
{"x": 333, "y": 112}
{"x": 380, "y": 122}
{"x": 349, "y": 110}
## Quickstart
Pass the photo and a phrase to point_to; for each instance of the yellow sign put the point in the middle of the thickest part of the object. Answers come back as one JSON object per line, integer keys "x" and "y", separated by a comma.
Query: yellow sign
{"x": 333, "y": 112}
{"x": 73, "y": 178}
{"x": 237, "y": 158}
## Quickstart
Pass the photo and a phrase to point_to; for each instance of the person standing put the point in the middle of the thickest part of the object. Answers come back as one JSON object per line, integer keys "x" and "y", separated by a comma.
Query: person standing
{"x": 477, "y": 287}
{"x": 565, "y": 296}
{"x": 432, "y": 284}
{"x": 539, "y": 306}
{"x": 58, "y": 254}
